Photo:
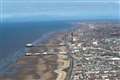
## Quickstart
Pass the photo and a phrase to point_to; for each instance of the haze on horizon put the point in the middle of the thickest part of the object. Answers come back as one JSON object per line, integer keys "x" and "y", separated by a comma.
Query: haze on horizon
{"x": 23, "y": 10}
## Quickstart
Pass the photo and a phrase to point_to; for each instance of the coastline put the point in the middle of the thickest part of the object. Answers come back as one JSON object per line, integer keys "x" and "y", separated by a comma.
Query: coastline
{"x": 20, "y": 61}
{"x": 11, "y": 59}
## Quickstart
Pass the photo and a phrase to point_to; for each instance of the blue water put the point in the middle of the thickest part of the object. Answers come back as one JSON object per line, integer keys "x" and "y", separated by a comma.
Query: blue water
{"x": 14, "y": 36}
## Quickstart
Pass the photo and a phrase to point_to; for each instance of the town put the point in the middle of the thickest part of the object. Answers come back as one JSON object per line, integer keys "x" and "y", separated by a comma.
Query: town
{"x": 90, "y": 51}
{"x": 87, "y": 51}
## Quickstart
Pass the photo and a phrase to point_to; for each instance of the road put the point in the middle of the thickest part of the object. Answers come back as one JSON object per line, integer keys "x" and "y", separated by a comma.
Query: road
{"x": 69, "y": 77}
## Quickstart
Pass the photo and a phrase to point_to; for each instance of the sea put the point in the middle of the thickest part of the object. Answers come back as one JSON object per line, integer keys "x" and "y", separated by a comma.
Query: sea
{"x": 15, "y": 35}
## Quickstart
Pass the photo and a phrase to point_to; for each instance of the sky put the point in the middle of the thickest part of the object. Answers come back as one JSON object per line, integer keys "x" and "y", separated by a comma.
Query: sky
{"x": 23, "y": 10}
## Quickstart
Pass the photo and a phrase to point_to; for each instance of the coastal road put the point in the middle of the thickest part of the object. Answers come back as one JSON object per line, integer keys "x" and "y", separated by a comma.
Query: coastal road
{"x": 69, "y": 76}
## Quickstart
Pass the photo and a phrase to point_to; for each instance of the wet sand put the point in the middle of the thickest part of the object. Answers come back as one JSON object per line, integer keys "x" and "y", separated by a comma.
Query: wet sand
{"x": 34, "y": 68}
{"x": 40, "y": 67}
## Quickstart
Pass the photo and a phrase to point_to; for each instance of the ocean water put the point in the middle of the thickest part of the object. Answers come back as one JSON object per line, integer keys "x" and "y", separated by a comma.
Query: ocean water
{"x": 14, "y": 36}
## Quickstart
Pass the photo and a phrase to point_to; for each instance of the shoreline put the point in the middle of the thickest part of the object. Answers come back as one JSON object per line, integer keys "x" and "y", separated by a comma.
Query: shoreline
{"x": 21, "y": 52}
{"x": 45, "y": 39}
